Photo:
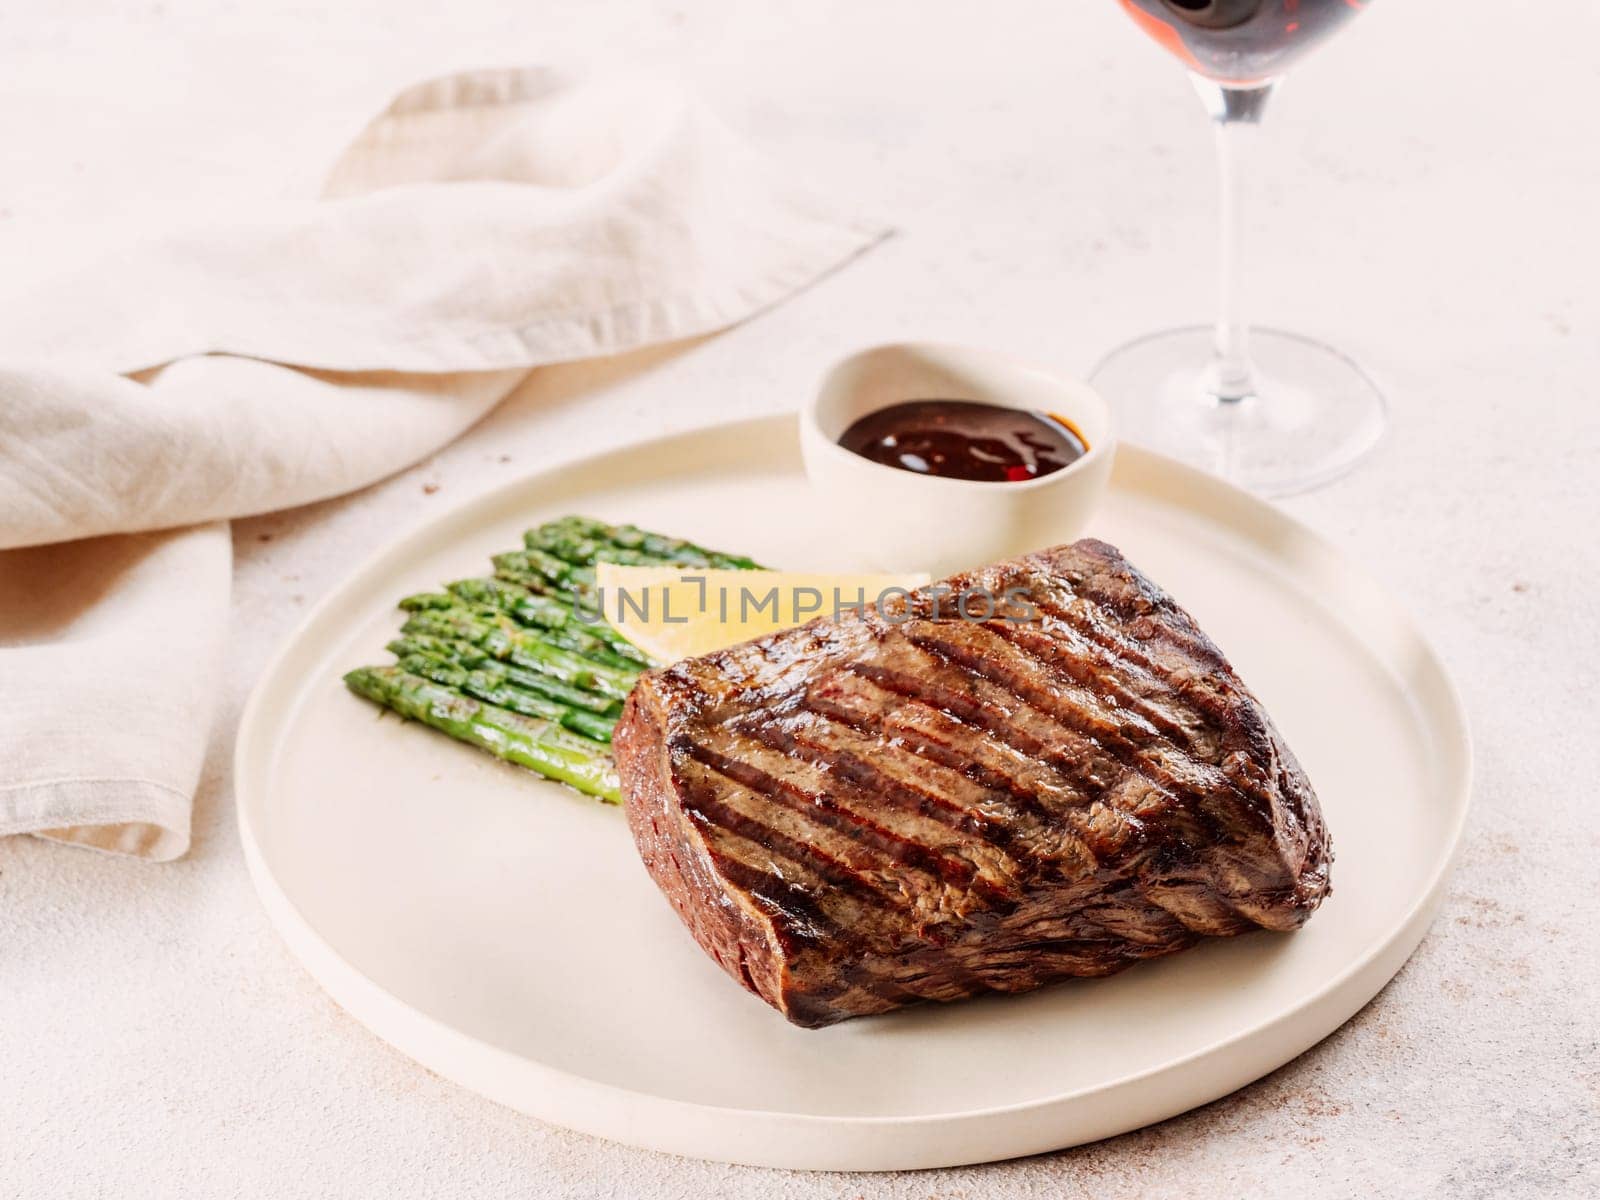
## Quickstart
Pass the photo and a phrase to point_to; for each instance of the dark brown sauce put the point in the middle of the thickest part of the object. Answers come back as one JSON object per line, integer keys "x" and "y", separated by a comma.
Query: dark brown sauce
{"x": 965, "y": 439}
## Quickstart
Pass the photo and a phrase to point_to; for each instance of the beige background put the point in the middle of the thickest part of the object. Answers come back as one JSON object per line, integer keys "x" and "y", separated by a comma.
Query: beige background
{"x": 1429, "y": 191}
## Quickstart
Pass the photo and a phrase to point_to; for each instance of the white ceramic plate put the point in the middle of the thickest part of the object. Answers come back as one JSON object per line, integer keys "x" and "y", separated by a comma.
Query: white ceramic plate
{"x": 500, "y": 930}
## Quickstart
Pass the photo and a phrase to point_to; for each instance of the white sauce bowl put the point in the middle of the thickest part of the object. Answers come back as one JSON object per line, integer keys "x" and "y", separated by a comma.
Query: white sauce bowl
{"x": 885, "y": 518}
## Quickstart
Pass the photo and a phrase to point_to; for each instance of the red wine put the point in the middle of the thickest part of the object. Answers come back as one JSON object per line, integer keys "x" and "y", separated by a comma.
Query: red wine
{"x": 966, "y": 439}
{"x": 1240, "y": 41}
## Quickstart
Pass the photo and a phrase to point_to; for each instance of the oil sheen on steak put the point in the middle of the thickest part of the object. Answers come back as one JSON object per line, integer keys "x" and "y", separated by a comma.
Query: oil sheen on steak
{"x": 899, "y": 806}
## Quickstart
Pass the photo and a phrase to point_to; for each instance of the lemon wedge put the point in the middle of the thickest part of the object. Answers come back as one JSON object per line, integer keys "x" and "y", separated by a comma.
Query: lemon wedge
{"x": 679, "y": 612}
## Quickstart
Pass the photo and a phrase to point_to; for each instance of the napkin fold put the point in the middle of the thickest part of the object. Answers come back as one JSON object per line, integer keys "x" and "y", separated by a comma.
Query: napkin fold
{"x": 482, "y": 225}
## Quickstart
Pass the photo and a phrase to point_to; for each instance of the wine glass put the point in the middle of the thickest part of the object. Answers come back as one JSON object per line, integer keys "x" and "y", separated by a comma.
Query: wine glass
{"x": 1275, "y": 412}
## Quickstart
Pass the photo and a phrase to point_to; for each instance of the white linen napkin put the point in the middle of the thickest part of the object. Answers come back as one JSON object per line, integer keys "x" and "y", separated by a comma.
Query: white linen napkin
{"x": 484, "y": 224}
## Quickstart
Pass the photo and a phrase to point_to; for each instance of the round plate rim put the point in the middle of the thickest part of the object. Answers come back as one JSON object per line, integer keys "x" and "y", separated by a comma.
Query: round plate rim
{"x": 636, "y": 1112}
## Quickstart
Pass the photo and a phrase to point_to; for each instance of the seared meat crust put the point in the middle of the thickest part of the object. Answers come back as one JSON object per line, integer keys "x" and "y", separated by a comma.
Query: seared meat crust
{"x": 902, "y": 805}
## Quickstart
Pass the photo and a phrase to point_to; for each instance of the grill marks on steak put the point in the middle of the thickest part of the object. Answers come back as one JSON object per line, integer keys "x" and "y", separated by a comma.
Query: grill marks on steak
{"x": 864, "y": 813}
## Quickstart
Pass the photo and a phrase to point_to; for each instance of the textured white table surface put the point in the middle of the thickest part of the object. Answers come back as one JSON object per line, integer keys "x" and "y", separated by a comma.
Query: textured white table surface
{"x": 1049, "y": 174}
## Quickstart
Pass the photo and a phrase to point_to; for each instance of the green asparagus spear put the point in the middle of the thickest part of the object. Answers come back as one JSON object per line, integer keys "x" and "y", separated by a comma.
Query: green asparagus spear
{"x": 654, "y": 547}
{"x": 575, "y": 636}
{"x": 465, "y": 654}
{"x": 545, "y": 572}
{"x": 539, "y": 745}
{"x": 494, "y": 689}
{"x": 575, "y": 548}
{"x": 497, "y": 634}
{"x": 426, "y": 600}
{"x": 556, "y": 616}
{"x": 474, "y": 683}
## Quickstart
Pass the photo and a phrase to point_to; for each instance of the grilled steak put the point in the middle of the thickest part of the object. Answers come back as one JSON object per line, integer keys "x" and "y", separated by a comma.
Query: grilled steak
{"x": 905, "y": 805}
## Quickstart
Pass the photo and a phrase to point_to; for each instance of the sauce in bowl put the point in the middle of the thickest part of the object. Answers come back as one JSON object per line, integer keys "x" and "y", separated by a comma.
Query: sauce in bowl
{"x": 966, "y": 439}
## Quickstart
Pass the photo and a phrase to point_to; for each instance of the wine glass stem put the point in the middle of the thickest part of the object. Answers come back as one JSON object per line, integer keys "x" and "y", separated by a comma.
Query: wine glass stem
{"x": 1235, "y": 112}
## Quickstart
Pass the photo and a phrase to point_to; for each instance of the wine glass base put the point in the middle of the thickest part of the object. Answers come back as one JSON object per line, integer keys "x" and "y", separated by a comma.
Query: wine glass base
{"x": 1313, "y": 415}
